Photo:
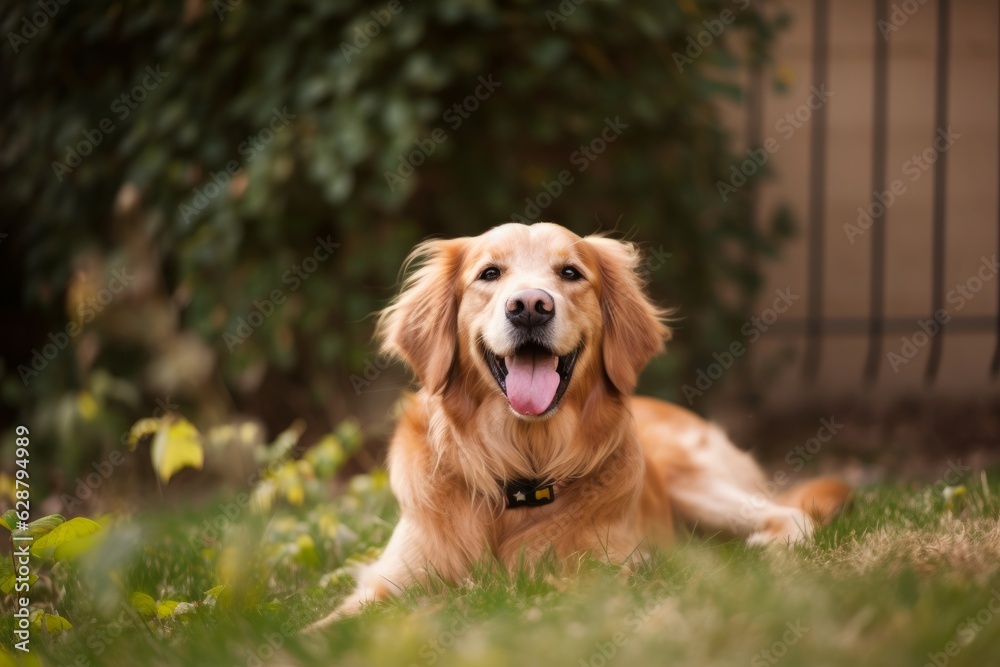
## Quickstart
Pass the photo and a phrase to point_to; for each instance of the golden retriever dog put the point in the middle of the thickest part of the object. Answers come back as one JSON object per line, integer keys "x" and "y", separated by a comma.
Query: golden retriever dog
{"x": 527, "y": 342}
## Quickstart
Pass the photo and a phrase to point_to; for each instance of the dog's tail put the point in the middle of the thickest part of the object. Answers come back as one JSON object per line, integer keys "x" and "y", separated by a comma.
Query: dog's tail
{"x": 820, "y": 498}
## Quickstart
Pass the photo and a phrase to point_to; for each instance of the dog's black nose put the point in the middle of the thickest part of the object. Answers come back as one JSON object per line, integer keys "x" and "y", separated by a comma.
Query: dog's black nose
{"x": 530, "y": 308}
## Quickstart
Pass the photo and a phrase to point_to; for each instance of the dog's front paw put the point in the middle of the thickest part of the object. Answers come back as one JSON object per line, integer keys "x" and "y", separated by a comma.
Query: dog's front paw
{"x": 354, "y": 603}
{"x": 349, "y": 607}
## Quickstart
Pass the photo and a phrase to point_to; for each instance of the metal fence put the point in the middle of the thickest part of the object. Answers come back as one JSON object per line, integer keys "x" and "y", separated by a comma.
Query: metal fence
{"x": 817, "y": 326}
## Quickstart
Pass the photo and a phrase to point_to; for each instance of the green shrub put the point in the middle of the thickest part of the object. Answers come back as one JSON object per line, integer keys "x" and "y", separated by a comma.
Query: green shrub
{"x": 318, "y": 124}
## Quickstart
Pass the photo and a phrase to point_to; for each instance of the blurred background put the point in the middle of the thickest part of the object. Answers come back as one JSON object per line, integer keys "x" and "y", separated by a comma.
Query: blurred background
{"x": 203, "y": 203}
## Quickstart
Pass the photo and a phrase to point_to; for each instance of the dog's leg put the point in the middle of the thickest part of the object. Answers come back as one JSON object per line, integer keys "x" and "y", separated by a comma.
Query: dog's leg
{"x": 718, "y": 505}
{"x": 717, "y": 487}
{"x": 407, "y": 559}
{"x": 713, "y": 484}
{"x": 723, "y": 488}
{"x": 399, "y": 565}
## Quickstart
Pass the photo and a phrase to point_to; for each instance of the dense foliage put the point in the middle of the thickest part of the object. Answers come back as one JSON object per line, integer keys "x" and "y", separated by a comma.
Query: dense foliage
{"x": 205, "y": 201}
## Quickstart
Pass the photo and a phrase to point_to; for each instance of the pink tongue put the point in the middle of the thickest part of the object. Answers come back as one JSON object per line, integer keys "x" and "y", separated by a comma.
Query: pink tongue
{"x": 532, "y": 382}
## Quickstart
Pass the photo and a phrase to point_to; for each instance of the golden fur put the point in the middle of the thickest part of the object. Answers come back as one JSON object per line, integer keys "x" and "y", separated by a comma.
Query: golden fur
{"x": 625, "y": 468}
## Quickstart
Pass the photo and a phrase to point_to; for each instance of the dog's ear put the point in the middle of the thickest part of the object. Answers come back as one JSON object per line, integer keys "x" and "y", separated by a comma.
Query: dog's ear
{"x": 634, "y": 327}
{"x": 421, "y": 325}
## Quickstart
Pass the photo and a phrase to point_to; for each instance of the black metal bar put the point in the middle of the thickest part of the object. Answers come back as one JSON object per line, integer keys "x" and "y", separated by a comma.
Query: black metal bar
{"x": 755, "y": 104}
{"x": 754, "y": 133}
{"x": 940, "y": 182}
{"x": 995, "y": 368}
{"x": 817, "y": 178}
{"x": 879, "y": 148}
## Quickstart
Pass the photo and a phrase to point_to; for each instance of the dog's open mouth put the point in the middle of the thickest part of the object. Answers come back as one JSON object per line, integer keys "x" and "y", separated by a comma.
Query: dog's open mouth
{"x": 532, "y": 378}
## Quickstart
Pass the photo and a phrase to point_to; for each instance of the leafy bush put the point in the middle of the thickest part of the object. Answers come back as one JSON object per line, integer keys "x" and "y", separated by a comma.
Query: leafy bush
{"x": 246, "y": 172}
{"x": 227, "y": 561}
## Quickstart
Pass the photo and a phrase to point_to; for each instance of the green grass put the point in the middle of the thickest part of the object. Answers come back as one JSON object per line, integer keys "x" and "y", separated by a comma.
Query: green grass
{"x": 888, "y": 583}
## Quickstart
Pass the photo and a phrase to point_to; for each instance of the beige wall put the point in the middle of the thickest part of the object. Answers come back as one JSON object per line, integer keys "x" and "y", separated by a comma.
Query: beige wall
{"x": 972, "y": 177}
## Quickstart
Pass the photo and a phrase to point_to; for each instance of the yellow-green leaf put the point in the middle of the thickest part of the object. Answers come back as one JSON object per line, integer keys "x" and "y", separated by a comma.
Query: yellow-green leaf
{"x": 176, "y": 446}
{"x": 283, "y": 445}
{"x": 349, "y": 432}
{"x": 8, "y": 584}
{"x": 62, "y": 535}
{"x": 29, "y": 659}
{"x": 73, "y": 548}
{"x": 56, "y": 624}
{"x": 165, "y": 608}
{"x": 306, "y": 551}
{"x": 144, "y": 604}
{"x": 222, "y": 595}
{"x": 9, "y": 519}
{"x": 86, "y": 405}
{"x": 51, "y": 623}
{"x": 141, "y": 429}
{"x": 45, "y": 525}
{"x": 296, "y": 495}
{"x": 326, "y": 456}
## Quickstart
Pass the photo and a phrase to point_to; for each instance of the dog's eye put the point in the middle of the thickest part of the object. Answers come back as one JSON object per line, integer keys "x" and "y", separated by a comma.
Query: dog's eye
{"x": 570, "y": 273}
{"x": 490, "y": 274}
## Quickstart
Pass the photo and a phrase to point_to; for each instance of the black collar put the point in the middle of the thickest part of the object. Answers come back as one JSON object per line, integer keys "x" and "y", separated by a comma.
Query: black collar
{"x": 528, "y": 493}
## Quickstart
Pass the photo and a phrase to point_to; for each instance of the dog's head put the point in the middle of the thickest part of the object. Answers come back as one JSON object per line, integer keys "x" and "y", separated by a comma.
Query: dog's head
{"x": 530, "y": 313}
